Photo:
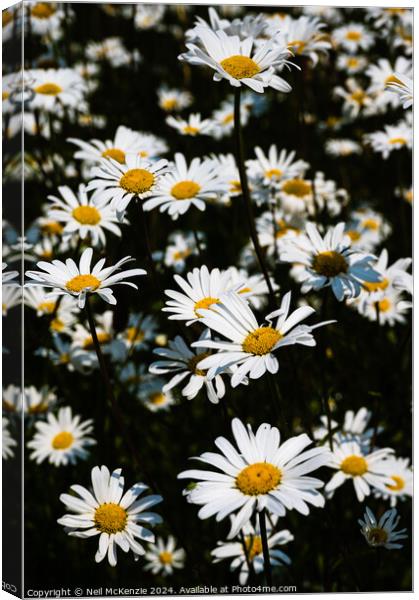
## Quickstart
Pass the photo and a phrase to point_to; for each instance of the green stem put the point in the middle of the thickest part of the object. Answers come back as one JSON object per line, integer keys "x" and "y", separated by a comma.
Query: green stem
{"x": 265, "y": 547}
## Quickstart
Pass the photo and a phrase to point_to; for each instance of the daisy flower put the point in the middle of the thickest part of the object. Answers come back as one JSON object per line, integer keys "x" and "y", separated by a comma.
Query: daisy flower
{"x": 235, "y": 60}
{"x": 182, "y": 245}
{"x": 382, "y": 533}
{"x": 80, "y": 215}
{"x": 342, "y": 147}
{"x": 394, "y": 137}
{"x": 261, "y": 473}
{"x": 276, "y": 228}
{"x": 351, "y": 64}
{"x": 163, "y": 557}
{"x": 63, "y": 354}
{"x": 56, "y": 87}
{"x": 201, "y": 289}
{"x": 223, "y": 118}
{"x": 367, "y": 229}
{"x": 154, "y": 397}
{"x": 193, "y": 126}
{"x": 382, "y": 75}
{"x": 148, "y": 16}
{"x": 401, "y": 487}
{"x": 141, "y": 329}
{"x": 329, "y": 261}
{"x": 275, "y": 166}
{"x": 187, "y": 186}
{"x": 111, "y": 49}
{"x": 402, "y": 85}
{"x": 36, "y": 297}
{"x": 11, "y": 296}
{"x": 173, "y": 100}
{"x": 353, "y": 37}
{"x": 252, "y": 287}
{"x": 304, "y": 37}
{"x": 389, "y": 306}
{"x": 120, "y": 183}
{"x": 366, "y": 471}
{"x": 8, "y": 276}
{"x": 116, "y": 517}
{"x": 67, "y": 278}
{"x": 34, "y": 401}
{"x": 251, "y": 346}
{"x": 356, "y": 100}
{"x": 252, "y": 552}
{"x": 46, "y": 18}
{"x": 178, "y": 359}
{"x": 7, "y": 441}
{"x": 62, "y": 439}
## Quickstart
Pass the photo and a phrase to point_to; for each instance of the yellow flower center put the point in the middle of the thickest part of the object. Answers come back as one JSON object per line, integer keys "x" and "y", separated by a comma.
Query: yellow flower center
{"x": 358, "y": 96}
{"x": 297, "y": 187}
{"x": 409, "y": 196}
{"x": 157, "y": 398}
{"x": 6, "y": 18}
{"x": 352, "y": 62}
{"x": 236, "y": 187}
{"x": 185, "y": 189}
{"x": 87, "y": 215}
{"x": 258, "y": 479}
{"x": 143, "y": 153}
{"x": 297, "y": 46}
{"x": 329, "y": 263}
{"x": 240, "y": 67}
{"x": 181, "y": 254}
{"x": 353, "y": 234}
{"x": 46, "y": 307}
{"x": 102, "y": 337}
{"x": 52, "y": 228}
{"x": 190, "y": 130}
{"x": 353, "y": 36}
{"x": 397, "y": 140}
{"x": 169, "y": 104}
{"x": 166, "y": 558}
{"x": 377, "y": 536}
{"x": 374, "y": 286}
{"x": 384, "y": 305}
{"x": 354, "y": 465}
{"x": 371, "y": 224}
{"x": 81, "y": 282}
{"x": 228, "y": 119}
{"x": 42, "y": 10}
{"x": 192, "y": 362}
{"x": 133, "y": 334}
{"x": 39, "y": 408}
{"x": 110, "y": 518}
{"x": 137, "y": 181}
{"x": 57, "y": 325}
{"x": 253, "y": 545}
{"x": 398, "y": 485}
{"x": 393, "y": 79}
{"x": 62, "y": 440}
{"x": 5, "y": 95}
{"x": 48, "y": 89}
{"x": 261, "y": 341}
{"x": 205, "y": 303}
{"x": 115, "y": 153}
{"x": 271, "y": 173}
{"x": 64, "y": 358}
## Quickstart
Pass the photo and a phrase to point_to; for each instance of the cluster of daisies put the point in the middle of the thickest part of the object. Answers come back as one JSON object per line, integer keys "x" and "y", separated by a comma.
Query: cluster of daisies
{"x": 215, "y": 328}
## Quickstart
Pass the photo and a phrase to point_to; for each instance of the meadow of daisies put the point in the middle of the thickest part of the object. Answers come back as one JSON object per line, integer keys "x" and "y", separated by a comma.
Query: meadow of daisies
{"x": 217, "y": 296}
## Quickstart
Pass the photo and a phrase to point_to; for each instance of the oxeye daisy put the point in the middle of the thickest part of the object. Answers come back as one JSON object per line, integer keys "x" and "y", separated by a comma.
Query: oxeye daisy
{"x": 261, "y": 473}
{"x": 329, "y": 261}
{"x": 249, "y": 345}
{"x": 31, "y": 402}
{"x": 193, "y": 126}
{"x": 275, "y": 228}
{"x": 366, "y": 470}
{"x": 79, "y": 214}
{"x": 163, "y": 557}
{"x": 46, "y": 17}
{"x": 235, "y": 60}
{"x": 182, "y": 245}
{"x": 401, "y": 487}
{"x": 387, "y": 306}
{"x": 187, "y": 186}
{"x": 402, "y": 85}
{"x": 68, "y": 278}
{"x": 394, "y": 137}
{"x": 223, "y": 118}
{"x": 120, "y": 183}
{"x": 354, "y": 427}
{"x": 351, "y": 64}
{"x": 154, "y": 397}
{"x": 382, "y": 75}
{"x": 55, "y": 87}
{"x": 304, "y": 37}
{"x": 109, "y": 49}
{"x": 356, "y": 100}
{"x": 178, "y": 359}
{"x": 342, "y": 147}
{"x": 106, "y": 511}
{"x": 353, "y": 37}
{"x": 382, "y": 533}
{"x": 62, "y": 439}
{"x": 7, "y": 441}
{"x": 252, "y": 287}
{"x": 249, "y": 550}
{"x": 173, "y": 100}
{"x": 275, "y": 166}
{"x": 201, "y": 289}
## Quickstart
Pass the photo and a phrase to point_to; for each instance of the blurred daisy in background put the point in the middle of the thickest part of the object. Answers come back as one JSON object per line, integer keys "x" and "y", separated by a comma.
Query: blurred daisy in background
{"x": 275, "y": 166}
{"x": 32, "y": 402}
{"x": 401, "y": 487}
{"x": 54, "y": 88}
{"x": 353, "y": 37}
{"x": 154, "y": 397}
{"x": 342, "y": 147}
{"x": 163, "y": 557}
{"x": 382, "y": 533}
{"x": 394, "y": 137}
{"x": 173, "y": 100}
{"x": 180, "y": 246}
{"x": 402, "y": 85}
{"x": 7, "y": 441}
{"x": 194, "y": 125}
{"x": 110, "y": 49}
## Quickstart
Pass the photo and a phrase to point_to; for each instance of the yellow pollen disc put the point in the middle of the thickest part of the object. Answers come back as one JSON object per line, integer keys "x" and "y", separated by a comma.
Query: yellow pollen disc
{"x": 236, "y": 187}
{"x": 297, "y": 46}
{"x": 47, "y": 254}
{"x": 133, "y": 334}
{"x": 81, "y": 282}
{"x": 110, "y": 518}
{"x": 261, "y": 341}
{"x": 393, "y": 79}
{"x": 6, "y": 17}
{"x": 329, "y": 263}
{"x": 62, "y": 440}
{"x": 273, "y": 173}
{"x": 398, "y": 485}
{"x": 253, "y": 545}
{"x": 169, "y": 104}
{"x": 384, "y": 305}
{"x": 205, "y": 303}
{"x": 166, "y": 558}
{"x": 377, "y": 536}
{"x": 64, "y": 358}
{"x": 376, "y": 285}
{"x": 189, "y": 130}
{"x": 115, "y": 153}
{"x": 228, "y": 119}
{"x": 157, "y": 398}
{"x": 102, "y": 336}
{"x": 137, "y": 181}
{"x": 409, "y": 196}
{"x": 245, "y": 290}
{"x": 358, "y": 96}
{"x": 5, "y": 95}
{"x": 57, "y": 325}
{"x": 181, "y": 254}
{"x": 371, "y": 224}
{"x": 352, "y": 62}
{"x": 398, "y": 140}
{"x": 46, "y": 307}
{"x": 353, "y": 36}
{"x": 192, "y": 362}
{"x": 258, "y": 479}
{"x": 87, "y": 215}
{"x": 353, "y": 234}
{"x": 39, "y": 408}
{"x": 143, "y": 153}
{"x": 354, "y": 465}
{"x": 185, "y": 189}
{"x": 297, "y": 187}
{"x": 52, "y": 228}
{"x": 48, "y": 89}
{"x": 240, "y": 67}
{"x": 42, "y": 10}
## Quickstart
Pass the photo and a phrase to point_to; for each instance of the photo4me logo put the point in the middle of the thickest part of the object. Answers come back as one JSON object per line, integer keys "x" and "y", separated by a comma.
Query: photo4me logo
{"x": 8, "y": 587}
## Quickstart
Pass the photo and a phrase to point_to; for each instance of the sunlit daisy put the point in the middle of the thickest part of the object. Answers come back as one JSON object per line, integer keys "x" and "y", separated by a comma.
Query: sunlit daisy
{"x": 354, "y": 427}
{"x": 193, "y": 126}
{"x": 163, "y": 557}
{"x": 260, "y": 474}
{"x": 382, "y": 533}
{"x": 116, "y": 517}
{"x": 56, "y": 87}
{"x": 304, "y": 37}
{"x": 46, "y": 18}
{"x": 394, "y": 137}
{"x": 173, "y": 100}
{"x": 367, "y": 229}
{"x": 154, "y": 397}
{"x": 351, "y": 64}
{"x": 251, "y": 346}
{"x": 401, "y": 487}
{"x": 148, "y": 16}
{"x": 62, "y": 439}
{"x": 67, "y": 278}
{"x": 353, "y": 37}
{"x": 223, "y": 118}
{"x": 388, "y": 307}
{"x": 275, "y": 166}
{"x": 382, "y": 75}
{"x": 356, "y": 100}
